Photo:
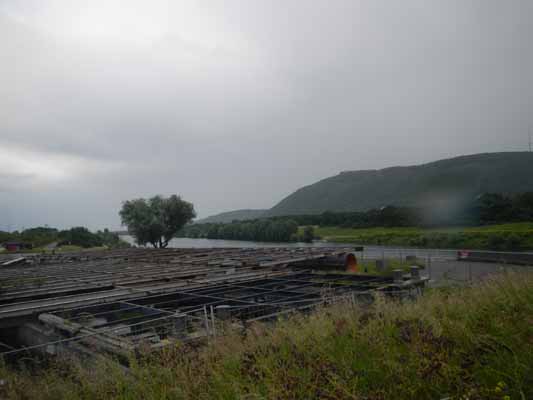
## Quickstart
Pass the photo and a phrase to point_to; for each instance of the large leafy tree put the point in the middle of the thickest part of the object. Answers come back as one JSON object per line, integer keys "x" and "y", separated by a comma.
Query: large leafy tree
{"x": 156, "y": 220}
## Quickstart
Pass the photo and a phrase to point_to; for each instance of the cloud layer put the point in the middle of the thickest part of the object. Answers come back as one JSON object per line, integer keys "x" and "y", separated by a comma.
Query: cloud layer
{"x": 234, "y": 104}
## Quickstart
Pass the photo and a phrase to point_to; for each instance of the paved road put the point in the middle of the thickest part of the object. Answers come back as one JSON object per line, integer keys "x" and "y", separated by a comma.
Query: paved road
{"x": 442, "y": 266}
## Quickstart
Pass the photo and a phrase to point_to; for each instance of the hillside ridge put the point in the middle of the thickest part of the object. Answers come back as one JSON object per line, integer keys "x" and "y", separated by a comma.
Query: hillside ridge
{"x": 445, "y": 183}
{"x": 235, "y": 215}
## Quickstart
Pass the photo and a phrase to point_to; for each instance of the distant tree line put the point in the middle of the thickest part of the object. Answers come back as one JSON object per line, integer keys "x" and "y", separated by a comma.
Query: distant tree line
{"x": 489, "y": 208}
{"x": 38, "y": 236}
{"x": 77, "y": 236}
{"x": 285, "y": 229}
{"x": 80, "y": 236}
{"x": 494, "y": 208}
{"x": 385, "y": 216}
{"x": 262, "y": 230}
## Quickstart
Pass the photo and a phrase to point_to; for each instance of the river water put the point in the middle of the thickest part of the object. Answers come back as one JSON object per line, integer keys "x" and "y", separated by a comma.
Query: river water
{"x": 370, "y": 251}
{"x": 219, "y": 243}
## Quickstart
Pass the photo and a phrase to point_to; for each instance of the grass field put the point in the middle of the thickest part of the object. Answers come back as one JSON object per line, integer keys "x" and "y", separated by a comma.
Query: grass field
{"x": 453, "y": 343}
{"x": 327, "y": 232}
{"x": 516, "y": 227}
{"x": 517, "y": 236}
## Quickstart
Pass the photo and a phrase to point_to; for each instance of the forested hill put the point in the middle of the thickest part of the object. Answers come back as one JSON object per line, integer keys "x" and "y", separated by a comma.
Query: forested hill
{"x": 441, "y": 186}
{"x": 230, "y": 216}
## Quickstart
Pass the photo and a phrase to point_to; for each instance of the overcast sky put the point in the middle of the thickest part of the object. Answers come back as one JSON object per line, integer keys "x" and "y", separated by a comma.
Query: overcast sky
{"x": 235, "y": 104}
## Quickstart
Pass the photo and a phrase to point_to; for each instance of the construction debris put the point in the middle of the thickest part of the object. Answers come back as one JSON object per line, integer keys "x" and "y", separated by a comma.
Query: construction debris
{"x": 15, "y": 261}
{"x": 118, "y": 301}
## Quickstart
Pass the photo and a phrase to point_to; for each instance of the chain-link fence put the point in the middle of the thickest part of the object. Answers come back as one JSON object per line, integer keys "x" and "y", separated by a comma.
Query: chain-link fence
{"x": 443, "y": 266}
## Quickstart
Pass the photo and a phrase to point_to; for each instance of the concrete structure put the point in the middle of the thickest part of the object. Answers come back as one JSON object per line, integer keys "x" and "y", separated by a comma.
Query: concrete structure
{"x": 123, "y": 300}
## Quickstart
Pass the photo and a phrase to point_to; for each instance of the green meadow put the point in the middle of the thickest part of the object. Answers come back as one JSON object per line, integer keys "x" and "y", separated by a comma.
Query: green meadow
{"x": 516, "y": 236}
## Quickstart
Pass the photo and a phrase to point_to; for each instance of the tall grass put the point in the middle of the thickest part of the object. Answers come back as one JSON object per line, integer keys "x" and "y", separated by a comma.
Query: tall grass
{"x": 459, "y": 343}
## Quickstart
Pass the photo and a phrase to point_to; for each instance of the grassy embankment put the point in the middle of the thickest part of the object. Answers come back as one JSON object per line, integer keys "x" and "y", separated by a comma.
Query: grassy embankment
{"x": 460, "y": 343}
{"x": 518, "y": 236}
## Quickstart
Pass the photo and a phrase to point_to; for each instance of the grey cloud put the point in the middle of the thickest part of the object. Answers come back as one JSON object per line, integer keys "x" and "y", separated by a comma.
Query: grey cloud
{"x": 292, "y": 92}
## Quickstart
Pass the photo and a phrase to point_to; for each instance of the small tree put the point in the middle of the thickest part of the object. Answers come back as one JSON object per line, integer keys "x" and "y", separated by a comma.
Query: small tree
{"x": 80, "y": 236}
{"x": 156, "y": 220}
{"x": 309, "y": 234}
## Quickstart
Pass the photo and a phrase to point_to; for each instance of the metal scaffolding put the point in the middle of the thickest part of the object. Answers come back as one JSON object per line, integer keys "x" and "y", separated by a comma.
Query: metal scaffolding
{"x": 118, "y": 301}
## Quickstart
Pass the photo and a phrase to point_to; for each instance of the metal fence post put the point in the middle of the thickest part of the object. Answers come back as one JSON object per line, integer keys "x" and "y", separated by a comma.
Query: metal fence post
{"x": 206, "y": 320}
{"x": 213, "y": 321}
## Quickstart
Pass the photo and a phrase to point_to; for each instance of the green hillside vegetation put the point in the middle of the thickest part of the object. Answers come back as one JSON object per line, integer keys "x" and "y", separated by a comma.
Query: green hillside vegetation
{"x": 230, "y": 216}
{"x": 73, "y": 238}
{"x": 38, "y": 236}
{"x": 442, "y": 187}
{"x": 394, "y": 226}
{"x": 486, "y": 209}
{"x": 260, "y": 230}
{"x": 453, "y": 343}
{"x": 516, "y": 236}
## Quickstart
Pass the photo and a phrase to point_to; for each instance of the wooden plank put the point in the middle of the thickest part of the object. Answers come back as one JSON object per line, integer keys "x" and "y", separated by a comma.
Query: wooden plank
{"x": 14, "y": 261}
